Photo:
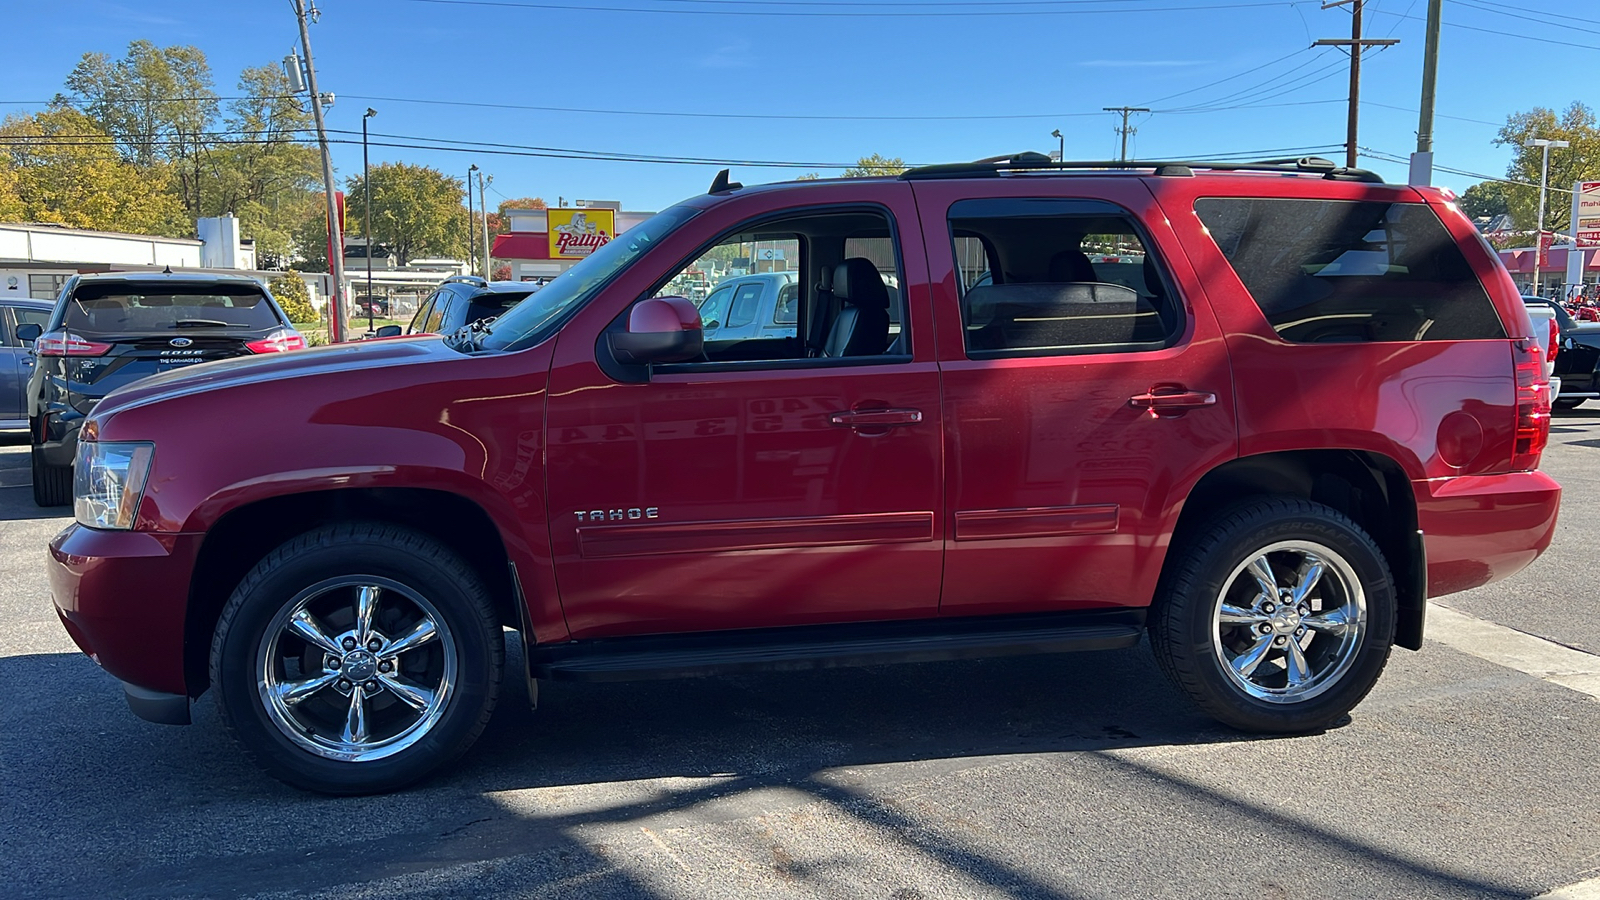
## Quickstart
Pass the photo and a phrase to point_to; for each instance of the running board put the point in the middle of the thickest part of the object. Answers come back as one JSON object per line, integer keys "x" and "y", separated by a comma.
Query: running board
{"x": 833, "y": 646}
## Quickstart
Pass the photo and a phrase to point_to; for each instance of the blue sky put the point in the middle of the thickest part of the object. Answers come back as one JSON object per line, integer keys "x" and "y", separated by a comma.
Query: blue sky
{"x": 996, "y": 78}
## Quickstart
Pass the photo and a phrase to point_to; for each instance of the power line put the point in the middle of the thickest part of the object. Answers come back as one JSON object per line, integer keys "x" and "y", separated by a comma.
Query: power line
{"x": 1265, "y": 90}
{"x": 698, "y": 115}
{"x": 1229, "y": 78}
{"x": 759, "y": 12}
{"x": 1500, "y": 10}
{"x": 1499, "y": 31}
{"x": 1394, "y": 158}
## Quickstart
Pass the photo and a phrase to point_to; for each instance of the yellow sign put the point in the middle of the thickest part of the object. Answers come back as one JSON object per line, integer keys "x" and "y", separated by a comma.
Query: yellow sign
{"x": 576, "y": 233}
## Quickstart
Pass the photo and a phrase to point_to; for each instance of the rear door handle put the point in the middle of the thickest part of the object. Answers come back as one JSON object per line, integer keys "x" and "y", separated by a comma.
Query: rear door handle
{"x": 876, "y": 418}
{"x": 1172, "y": 400}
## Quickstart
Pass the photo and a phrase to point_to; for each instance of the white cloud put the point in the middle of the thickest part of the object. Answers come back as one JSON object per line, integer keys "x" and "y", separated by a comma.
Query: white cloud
{"x": 729, "y": 56}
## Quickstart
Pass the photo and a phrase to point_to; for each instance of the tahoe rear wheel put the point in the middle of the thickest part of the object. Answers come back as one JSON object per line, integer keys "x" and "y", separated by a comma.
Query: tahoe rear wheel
{"x": 357, "y": 658}
{"x": 1278, "y": 616}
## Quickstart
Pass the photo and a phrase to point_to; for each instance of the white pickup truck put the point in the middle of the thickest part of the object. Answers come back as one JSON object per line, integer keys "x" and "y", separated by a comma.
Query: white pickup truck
{"x": 1547, "y": 334}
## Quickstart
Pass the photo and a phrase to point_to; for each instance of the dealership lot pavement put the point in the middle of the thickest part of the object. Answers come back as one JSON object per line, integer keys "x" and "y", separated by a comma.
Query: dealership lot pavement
{"x": 1054, "y": 777}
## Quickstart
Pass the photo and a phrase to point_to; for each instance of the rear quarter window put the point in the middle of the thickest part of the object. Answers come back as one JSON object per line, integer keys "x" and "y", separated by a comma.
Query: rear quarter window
{"x": 1326, "y": 271}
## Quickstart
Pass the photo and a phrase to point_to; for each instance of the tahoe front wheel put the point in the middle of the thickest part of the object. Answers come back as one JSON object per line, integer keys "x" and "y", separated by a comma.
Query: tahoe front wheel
{"x": 357, "y": 658}
{"x": 1278, "y": 617}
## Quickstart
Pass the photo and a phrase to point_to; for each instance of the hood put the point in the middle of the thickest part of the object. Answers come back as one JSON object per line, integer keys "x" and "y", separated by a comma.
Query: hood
{"x": 275, "y": 367}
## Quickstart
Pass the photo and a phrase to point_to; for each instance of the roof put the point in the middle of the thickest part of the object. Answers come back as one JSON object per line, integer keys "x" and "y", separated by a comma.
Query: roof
{"x": 521, "y": 245}
{"x": 179, "y": 277}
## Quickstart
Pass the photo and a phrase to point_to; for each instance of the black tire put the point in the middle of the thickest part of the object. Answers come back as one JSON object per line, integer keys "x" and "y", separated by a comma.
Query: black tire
{"x": 1206, "y": 626}
{"x": 257, "y": 654}
{"x": 1565, "y": 405}
{"x": 52, "y": 485}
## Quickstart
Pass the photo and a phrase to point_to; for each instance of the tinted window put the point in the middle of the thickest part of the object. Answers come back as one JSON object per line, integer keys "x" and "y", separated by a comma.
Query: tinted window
{"x": 423, "y": 311}
{"x": 1047, "y": 277}
{"x": 39, "y": 317}
{"x": 787, "y": 312}
{"x": 131, "y": 308}
{"x": 435, "y": 320}
{"x": 745, "y": 304}
{"x": 715, "y": 309}
{"x": 1351, "y": 271}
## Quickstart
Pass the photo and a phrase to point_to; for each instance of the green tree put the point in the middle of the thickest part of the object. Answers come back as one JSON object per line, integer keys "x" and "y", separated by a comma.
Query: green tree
{"x": 416, "y": 210}
{"x": 62, "y": 168}
{"x": 1579, "y": 162}
{"x": 291, "y": 294}
{"x": 157, "y": 103}
{"x": 1486, "y": 199}
{"x": 309, "y": 235}
{"x": 868, "y": 166}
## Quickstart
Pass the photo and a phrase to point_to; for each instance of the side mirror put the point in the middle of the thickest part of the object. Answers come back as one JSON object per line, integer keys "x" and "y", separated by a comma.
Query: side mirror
{"x": 389, "y": 331}
{"x": 29, "y": 333}
{"x": 658, "y": 330}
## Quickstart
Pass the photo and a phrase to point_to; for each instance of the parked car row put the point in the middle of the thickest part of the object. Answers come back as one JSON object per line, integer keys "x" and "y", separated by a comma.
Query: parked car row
{"x": 1577, "y": 356}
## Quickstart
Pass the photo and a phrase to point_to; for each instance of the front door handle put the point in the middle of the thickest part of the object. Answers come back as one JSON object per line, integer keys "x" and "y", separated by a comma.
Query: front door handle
{"x": 875, "y": 418}
{"x": 1172, "y": 400}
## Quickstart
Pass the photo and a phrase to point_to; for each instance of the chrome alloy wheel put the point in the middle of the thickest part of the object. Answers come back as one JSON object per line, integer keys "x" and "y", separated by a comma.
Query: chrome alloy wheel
{"x": 357, "y": 668}
{"x": 1288, "y": 622}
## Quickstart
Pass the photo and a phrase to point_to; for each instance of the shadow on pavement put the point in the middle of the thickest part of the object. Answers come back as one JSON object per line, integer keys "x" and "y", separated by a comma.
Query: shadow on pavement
{"x": 138, "y": 809}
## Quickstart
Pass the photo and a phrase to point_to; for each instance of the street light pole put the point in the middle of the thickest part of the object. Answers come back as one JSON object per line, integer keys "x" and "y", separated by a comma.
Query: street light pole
{"x": 1061, "y": 155}
{"x": 366, "y": 220}
{"x": 1544, "y": 177}
{"x": 472, "y": 226}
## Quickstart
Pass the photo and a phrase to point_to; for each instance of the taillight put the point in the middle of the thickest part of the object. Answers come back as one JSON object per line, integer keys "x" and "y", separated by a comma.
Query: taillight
{"x": 1555, "y": 341}
{"x": 278, "y": 342}
{"x": 1533, "y": 410}
{"x": 65, "y": 343}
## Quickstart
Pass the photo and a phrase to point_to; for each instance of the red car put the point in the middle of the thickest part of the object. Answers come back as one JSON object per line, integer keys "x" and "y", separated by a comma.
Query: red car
{"x": 1287, "y": 405}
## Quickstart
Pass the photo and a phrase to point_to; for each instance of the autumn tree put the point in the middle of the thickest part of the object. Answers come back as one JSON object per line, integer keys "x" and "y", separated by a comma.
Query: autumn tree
{"x": 60, "y": 167}
{"x": 1486, "y": 199}
{"x": 159, "y": 106}
{"x": 290, "y": 292}
{"x": 416, "y": 210}
{"x": 869, "y": 166}
{"x": 1579, "y": 162}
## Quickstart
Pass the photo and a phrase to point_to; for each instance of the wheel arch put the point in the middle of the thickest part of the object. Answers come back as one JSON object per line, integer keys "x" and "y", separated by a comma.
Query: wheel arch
{"x": 238, "y": 540}
{"x": 1370, "y": 488}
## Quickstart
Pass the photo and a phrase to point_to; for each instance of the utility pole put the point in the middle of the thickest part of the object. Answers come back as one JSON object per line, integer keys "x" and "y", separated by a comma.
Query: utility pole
{"x": 1356, "y": 44}
{"x": 1422, "y": 160}
{"x": 483, "y": 207}
{"x": 1126, "y": 129}
{"x": 472, "y": 225}
{"x": 335, "y": 239}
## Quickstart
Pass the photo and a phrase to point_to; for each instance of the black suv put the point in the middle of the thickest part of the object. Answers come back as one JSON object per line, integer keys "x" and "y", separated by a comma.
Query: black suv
{"x": 108, "y": 330}
{"x": 461, "y": 300}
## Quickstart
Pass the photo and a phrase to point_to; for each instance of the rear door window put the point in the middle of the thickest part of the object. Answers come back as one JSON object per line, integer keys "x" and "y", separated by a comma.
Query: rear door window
{"x": 130, "y": 308}
{"x": 745, "y": 303}
{"x": 1326, "y": 271}
{"x": 1047, "y": 277}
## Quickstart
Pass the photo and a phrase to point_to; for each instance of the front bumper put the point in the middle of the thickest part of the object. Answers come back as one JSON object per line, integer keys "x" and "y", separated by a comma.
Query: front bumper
{"x": 123, "y": 597}
{"x": 1482, "y": 528}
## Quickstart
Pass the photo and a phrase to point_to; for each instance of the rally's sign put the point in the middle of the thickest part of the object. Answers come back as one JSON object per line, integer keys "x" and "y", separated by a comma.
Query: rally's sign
{"x": 576, "y": 233}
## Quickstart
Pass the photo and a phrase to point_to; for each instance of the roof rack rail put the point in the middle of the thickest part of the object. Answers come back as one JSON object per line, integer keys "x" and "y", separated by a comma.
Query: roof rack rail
{"x": 467, "y": 279}
{"x": 1031, "y": 161}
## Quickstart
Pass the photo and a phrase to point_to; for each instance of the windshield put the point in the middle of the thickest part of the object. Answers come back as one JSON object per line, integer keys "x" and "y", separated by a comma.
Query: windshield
{"x": 530, "y": 321}
{"x": 132, "y": 308}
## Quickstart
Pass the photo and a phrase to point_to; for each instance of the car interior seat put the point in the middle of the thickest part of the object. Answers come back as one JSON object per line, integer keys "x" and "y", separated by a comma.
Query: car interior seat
{"x": 862, "y": 326}
{"x": 1071, "y": 265}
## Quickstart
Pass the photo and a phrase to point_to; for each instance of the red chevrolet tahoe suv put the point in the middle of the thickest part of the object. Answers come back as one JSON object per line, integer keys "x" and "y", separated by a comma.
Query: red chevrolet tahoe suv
{"x": 1261, "y": 411}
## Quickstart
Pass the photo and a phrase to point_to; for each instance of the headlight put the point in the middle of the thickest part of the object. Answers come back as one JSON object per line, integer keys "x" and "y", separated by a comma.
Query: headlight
{"x": 108, "y": 482}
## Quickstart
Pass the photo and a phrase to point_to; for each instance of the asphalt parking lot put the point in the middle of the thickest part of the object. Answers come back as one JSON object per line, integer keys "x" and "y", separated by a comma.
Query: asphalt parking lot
{"x": 1079, "y": 776}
